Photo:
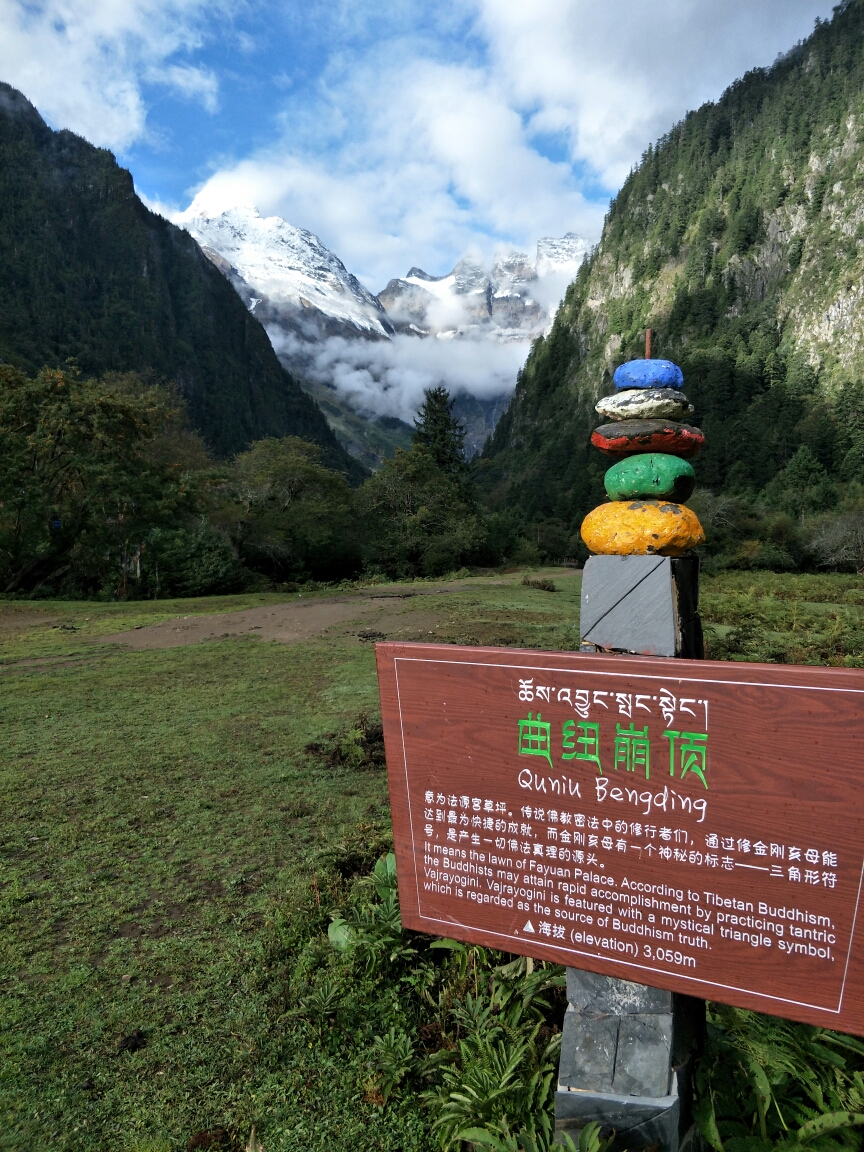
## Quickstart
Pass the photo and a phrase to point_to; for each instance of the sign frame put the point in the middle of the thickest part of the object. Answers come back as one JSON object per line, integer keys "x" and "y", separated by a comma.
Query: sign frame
{"x": 425, "y": 741}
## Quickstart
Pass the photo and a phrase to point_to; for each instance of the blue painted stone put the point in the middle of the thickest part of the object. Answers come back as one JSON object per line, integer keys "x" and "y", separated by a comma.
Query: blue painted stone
{"x": 648, "y": 374}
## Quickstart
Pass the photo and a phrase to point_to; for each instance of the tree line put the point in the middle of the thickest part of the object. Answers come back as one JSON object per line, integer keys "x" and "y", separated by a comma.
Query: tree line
{"x": 736, "y": 230}
{"x": 106, "y": 491}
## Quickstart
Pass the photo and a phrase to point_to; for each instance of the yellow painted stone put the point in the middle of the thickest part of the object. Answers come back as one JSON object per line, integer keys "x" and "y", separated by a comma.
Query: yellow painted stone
{"x": 642, "y": 528}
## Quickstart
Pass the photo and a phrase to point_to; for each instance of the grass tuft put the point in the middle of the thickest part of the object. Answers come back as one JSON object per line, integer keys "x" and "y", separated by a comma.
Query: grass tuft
{"x": 539, "y": 582}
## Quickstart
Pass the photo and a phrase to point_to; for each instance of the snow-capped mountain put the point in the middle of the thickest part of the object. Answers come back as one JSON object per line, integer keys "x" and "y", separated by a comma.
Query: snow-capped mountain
{"x": 561, "y": 256}
{"x": 294, "y": 284}
{"x": 286, "y": 275}
{"x": 512, "y": 301}
{"x": 366, "y": 358}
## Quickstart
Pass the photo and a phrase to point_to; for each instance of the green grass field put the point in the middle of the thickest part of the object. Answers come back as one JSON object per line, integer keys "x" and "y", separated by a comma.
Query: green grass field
{"x": 166, "y": 836}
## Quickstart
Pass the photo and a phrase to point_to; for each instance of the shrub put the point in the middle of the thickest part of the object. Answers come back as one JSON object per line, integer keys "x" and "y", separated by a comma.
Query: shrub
{"x": 539, "y": 582}
{"x": 197, "y": 561}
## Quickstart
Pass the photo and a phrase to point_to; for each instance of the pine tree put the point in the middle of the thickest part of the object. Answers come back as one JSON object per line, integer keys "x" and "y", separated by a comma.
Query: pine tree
{"x": 438, "y": 431}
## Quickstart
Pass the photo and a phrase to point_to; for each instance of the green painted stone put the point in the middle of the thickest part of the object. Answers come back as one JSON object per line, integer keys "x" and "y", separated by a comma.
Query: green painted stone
{"x": 652, "y": 475}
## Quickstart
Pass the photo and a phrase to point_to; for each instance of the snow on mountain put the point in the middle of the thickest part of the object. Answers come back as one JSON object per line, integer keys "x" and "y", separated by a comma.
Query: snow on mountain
{"x": 289, "y": 276}
{"x": 294, "y": 284}
{"x": 367, "y": 359}
{"x": 514, "y": 301}
{"x": 563, "y": 255}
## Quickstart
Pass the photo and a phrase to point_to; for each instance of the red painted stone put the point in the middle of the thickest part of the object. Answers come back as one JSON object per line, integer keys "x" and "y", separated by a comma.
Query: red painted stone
{"x": 629, "y": 437}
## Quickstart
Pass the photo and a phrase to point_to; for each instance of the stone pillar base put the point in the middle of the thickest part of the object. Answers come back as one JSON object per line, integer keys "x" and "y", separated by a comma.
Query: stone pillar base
{"x": 626, "y": 1059}
{"x": 638, "y": 1121}
{"x": 627, "y": 1049}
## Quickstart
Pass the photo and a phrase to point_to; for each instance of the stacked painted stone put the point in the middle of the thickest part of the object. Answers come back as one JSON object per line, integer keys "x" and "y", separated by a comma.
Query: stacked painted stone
{"x": 652, "y": 478}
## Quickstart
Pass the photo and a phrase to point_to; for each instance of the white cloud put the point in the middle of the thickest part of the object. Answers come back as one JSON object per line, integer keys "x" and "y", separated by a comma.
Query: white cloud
{"x": 420, "y": 130}
{"x": 419, "y": 162}
{"x": 389, "y": 377}
{"x": 194, "y": 83}
{"x": 612, "y": 76}
{"x": 83, "y": 62}
{"x": 428, "y": 131}
{"x": 403, "y": 157}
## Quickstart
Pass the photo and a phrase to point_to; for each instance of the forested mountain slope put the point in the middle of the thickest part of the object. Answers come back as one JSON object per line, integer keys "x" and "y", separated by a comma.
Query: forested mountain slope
{"x": 740, "y": 240}
{"x": 89, "y": 273}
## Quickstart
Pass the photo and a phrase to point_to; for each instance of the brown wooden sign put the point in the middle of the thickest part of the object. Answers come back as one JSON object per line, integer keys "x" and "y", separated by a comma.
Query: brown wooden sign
{"x": 692, "y": 825}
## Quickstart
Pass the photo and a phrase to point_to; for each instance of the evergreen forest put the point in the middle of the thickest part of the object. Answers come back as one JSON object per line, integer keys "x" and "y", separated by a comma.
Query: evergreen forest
{"x": 739, "y": 240}
{"x": 91, "y": 277}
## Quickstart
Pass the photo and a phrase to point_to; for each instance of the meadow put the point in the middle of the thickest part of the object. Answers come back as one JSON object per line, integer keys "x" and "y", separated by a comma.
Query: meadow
{"x": 187, "y": 794}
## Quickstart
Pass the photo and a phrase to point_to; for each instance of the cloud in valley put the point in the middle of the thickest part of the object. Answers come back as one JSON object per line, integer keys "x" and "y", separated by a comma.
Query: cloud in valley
{"x": 389, "y": 377}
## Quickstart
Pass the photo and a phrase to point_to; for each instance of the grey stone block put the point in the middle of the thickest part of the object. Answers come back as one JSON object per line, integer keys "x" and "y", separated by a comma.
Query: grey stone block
{"x": 626, "y": 1060}
{"x": 589, "y": 992}
{"x": 588, "y": 1048}
{"x": 628, "y": 1055}
{"x": 642, "y": 1061}
{"x": 639, "y": 1122}
{"x": 645, "y": 605}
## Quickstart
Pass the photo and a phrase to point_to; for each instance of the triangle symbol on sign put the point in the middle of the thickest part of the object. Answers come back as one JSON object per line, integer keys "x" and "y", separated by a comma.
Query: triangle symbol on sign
{"x": 529, "y": 927}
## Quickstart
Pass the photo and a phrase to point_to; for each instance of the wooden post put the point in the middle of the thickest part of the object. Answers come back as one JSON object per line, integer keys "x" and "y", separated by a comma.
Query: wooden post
{"x": 648, "y": 335}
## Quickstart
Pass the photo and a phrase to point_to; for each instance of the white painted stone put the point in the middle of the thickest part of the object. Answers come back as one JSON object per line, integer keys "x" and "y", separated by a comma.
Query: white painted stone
{"x": 645, "y": 404}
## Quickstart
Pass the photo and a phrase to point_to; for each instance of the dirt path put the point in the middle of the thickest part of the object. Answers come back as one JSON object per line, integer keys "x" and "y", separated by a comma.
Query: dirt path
{"x": 15, "y": 619}
{"x": 372, "y": 616}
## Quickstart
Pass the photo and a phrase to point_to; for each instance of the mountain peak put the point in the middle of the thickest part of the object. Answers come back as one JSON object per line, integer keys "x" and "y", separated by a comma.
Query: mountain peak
{"x": 15, "y": 103}
{"x": 561, "y": 254}
{"x": 289, "y": 268}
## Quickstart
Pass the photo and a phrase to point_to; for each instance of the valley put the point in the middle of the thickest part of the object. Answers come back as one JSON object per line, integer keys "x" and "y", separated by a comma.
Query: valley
{"x": 355, "y": 352}
{"x": 240, "y": 445}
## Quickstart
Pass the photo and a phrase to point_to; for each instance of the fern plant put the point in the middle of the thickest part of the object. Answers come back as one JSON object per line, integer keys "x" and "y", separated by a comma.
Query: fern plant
{"x": 392, "y": 1059}
{"x": 501, "y": 1076}
{"x": 373, "y": 931}
{"x": 765, "y": 1081}
{"x": 494, "y": 1057}
{"x": 503, "y": 1140}
{"x": 323, "y": 1002}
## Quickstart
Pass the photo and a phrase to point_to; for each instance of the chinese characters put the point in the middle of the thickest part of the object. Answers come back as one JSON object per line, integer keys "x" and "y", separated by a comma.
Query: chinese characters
{"x": 631, "y": 750}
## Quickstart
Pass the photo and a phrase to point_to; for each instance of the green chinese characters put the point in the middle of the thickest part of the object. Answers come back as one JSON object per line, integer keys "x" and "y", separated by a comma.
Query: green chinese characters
{"x": 580, "y": 740}
{"x": 584, "y": 747}
{"x": 632, "y": 749}
{"x": 535, "y": 738}
{"x": 692, "y": 751}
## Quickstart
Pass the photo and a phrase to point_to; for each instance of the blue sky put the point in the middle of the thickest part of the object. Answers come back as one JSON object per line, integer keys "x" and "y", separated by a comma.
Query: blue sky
{"x": 401, "y": 133}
